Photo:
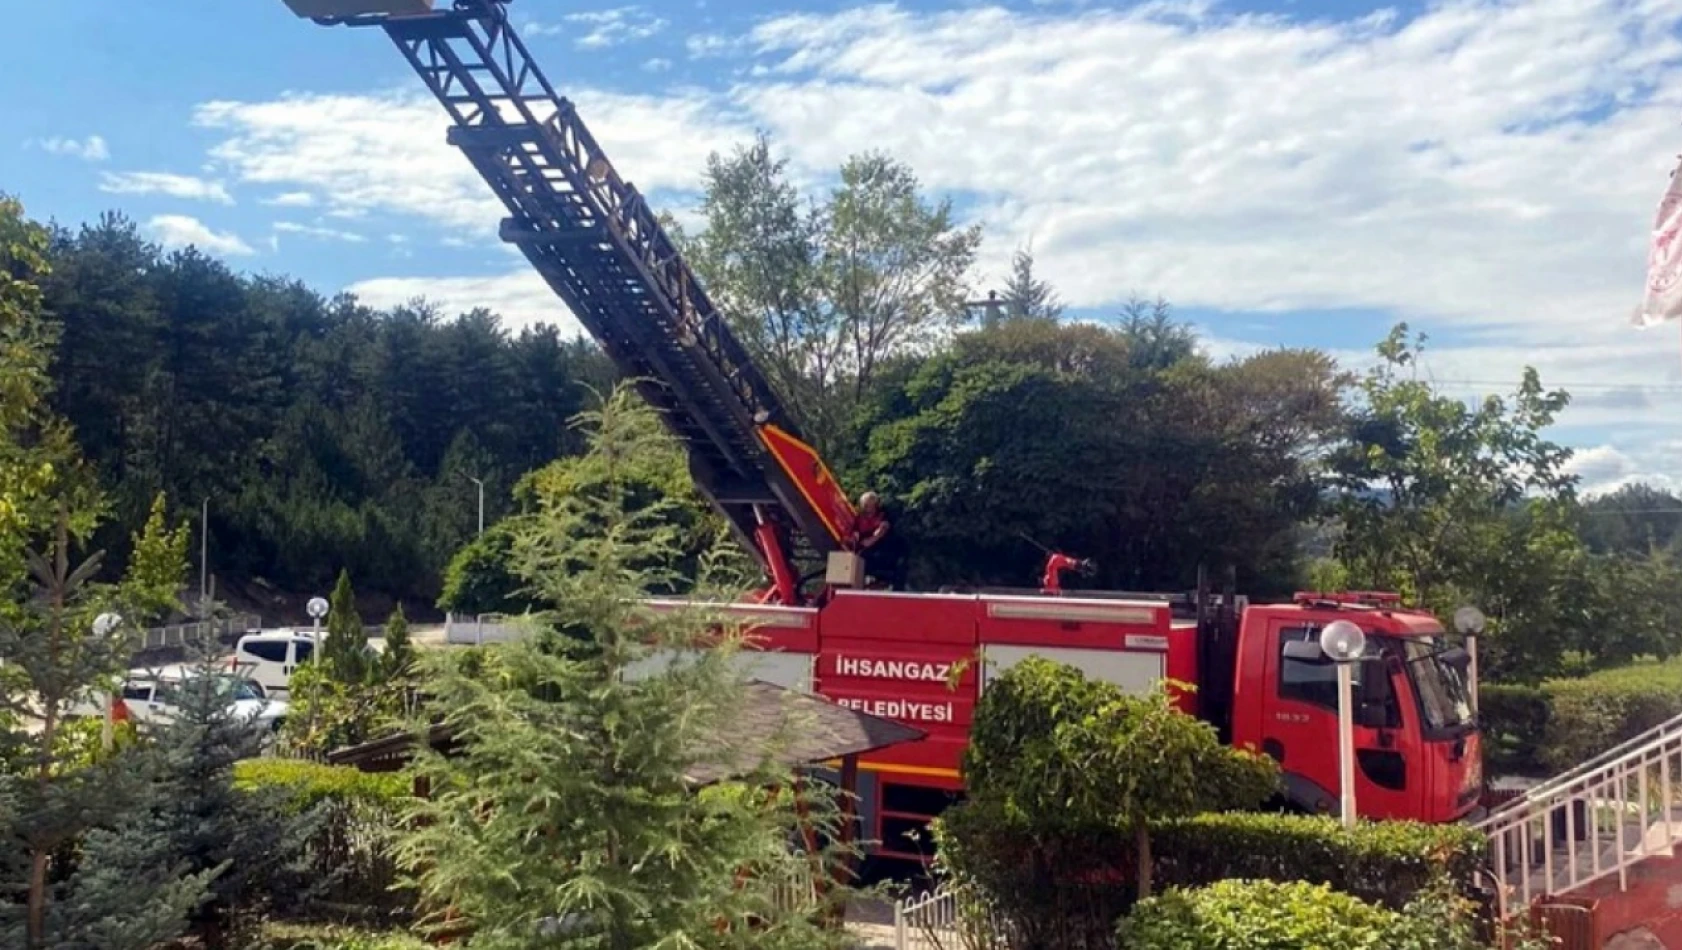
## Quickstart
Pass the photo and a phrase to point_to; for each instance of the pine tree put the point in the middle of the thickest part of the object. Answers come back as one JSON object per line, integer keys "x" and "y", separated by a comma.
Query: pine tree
{"x": 248, "y": 842}
{"x": 399, "y": 656}
{"x": 563, "y": 819}
{"x": 344, "y": 655}
{"x": 1027, "y": 295}
{"x": 59, "y": 644}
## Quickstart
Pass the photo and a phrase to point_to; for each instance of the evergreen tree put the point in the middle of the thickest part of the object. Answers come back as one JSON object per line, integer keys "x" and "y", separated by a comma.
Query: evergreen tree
{"x": 344, "y": 655}
{"x": 247, "y": 841}
{"x": 1026, "y": 295}
{"x": 399, "y": 656}
{"x": 63, "y": 636}
{"x": 564, "y": 818}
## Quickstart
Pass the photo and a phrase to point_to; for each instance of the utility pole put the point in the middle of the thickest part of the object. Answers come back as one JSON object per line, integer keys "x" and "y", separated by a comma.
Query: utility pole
{"x": 481, "y": 502}
{"x": 204, "y": 559}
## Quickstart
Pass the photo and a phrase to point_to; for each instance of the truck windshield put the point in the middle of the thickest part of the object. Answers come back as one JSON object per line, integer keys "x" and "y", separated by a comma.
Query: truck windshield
{"x": 1443, "y": 696}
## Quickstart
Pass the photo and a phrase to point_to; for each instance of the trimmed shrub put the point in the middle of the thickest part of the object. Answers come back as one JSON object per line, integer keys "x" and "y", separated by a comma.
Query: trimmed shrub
{"x": 336, "y": 937}
{"x": 1593, "y": 714}
{"x": 352, "y": 848}
{"x": 1515, "y": 724}
{"x": 313, "y": 782}
{"x": 1386, "y": 862}
{"x": 1260, "y": 915}
{"x": 1240, "y": 914}
{"x": 1067, "y": 889}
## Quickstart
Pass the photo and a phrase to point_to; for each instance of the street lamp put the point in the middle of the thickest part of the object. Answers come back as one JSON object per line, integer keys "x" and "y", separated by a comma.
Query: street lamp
{"x": 1344, "y": 643}
{"x": 317, "y": 608}
{"x": 1469, "y": 621}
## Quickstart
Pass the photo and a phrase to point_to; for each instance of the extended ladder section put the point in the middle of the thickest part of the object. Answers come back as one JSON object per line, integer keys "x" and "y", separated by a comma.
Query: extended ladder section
{"x": 1590, "y": 824}
{"x": 595, "y": 241}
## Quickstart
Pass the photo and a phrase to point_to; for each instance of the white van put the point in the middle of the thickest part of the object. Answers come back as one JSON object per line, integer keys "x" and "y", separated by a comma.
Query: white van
{"x": 271, "y": 656}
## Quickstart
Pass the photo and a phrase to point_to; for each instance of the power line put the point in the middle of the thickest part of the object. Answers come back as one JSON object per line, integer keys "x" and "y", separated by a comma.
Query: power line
{"x": 1476, "y": 383}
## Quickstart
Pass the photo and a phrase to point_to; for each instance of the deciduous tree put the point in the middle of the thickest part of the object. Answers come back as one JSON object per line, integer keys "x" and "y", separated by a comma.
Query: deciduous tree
{"x": 824, "y": 295}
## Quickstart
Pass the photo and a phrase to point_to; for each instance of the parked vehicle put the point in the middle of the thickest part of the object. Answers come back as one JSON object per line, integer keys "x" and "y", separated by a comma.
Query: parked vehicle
{"x": 151, "y": 696}
{"x": 271, "y": 657}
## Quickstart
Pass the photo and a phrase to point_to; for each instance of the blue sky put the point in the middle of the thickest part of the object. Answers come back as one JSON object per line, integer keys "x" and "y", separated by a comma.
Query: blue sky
{"x": 1301, "y": 172}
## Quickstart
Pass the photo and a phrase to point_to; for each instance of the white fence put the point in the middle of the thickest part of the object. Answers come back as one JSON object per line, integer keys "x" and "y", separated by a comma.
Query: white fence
{"x": 945, "y": 919}
{"x": 483, "y": 628}
{"x": 203, "y": 631}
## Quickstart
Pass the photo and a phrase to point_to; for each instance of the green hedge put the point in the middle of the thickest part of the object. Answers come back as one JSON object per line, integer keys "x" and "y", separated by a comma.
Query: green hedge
{"x": 1386, "y": 862}
{"x": 1297, "y": 915}
{"x": 1069, "y": 889}
{"x": 351, "y": 846}
{"x": 1261, "y": 915}
{"x": 1590, "y": 715}
{"x": 1515, "y": 724}
{"x": 311, "y": 783}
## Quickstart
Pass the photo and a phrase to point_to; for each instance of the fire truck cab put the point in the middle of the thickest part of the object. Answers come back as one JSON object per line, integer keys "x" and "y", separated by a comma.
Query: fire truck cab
{"x": 1417, "y": 749}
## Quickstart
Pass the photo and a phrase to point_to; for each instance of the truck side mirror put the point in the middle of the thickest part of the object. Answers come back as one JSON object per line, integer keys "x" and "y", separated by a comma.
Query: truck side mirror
{"x": 1307, "y": 651}
{"x": 1458, "y": 657}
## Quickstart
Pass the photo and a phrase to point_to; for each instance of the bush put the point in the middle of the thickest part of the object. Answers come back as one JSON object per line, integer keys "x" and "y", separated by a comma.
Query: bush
{"x": 1242, "y": 914}
{"x": 317, "y": 937}
{"x": 313, "y": 782}
{"x": 352, "y": 846}
{"x": 1067, "y": 888}
{"x": 1384, "y": 862}
{"x": 1590, "y": 715}
{"x": 1515, "y": 724}
{"x": 1260, "y": 915}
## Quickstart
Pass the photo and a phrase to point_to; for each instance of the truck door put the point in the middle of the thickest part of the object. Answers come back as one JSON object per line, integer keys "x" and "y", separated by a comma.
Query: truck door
{"x": 1299, "y": 729}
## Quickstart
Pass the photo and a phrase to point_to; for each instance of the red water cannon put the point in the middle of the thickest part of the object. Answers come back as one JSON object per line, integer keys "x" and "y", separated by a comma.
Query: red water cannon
{"x": 1056, "y": 563}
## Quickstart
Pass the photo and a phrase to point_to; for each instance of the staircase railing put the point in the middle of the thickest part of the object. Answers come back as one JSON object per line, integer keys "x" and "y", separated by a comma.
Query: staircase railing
{"x": 1589, "y": 824}
{"x": 1669, "y": 726}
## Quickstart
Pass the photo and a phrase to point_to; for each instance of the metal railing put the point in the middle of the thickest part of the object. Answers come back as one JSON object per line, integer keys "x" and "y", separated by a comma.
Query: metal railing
{"x": 182, "y": 634}
{"x": 1671, "y": 726}
{"x": 947, "y": 918}
{"x": 1590, "y": 824}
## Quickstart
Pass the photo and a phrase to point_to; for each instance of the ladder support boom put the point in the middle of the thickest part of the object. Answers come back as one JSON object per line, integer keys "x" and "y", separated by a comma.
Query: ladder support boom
{"x": 594, "y": 240}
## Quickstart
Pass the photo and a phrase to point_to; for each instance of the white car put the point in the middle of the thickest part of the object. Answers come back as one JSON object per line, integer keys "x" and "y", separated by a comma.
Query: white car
{"x": 150, "y": 696}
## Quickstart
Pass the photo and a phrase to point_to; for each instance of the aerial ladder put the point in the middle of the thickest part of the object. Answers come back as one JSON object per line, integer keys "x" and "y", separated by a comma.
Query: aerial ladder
{"x": 593, "y": 238}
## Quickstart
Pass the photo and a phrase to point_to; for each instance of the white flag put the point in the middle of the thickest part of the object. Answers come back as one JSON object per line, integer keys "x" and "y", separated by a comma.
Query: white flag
{"x": 1664, "y": 260}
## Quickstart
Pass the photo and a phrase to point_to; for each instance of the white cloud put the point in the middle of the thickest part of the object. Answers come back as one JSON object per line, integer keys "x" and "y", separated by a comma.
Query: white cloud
{"x": 386, "y": 153}
{"x": 658, "y": 64}
{"x": 521, "y": 297}
{"x": 612, "y": 27}
{"x": 707, "y": 44}
{"x": 92, "y": 148}
{"x": 179, "y": 230}
{"x": 1486, "y": 167}
{"x": 1603, "y": 469}
{"x": 164, "y": 183}
{"x": 291, "y": 199}
{"x": 308, "y": 230}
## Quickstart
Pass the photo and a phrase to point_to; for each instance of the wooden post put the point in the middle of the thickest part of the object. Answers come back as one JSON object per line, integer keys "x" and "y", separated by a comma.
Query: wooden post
{"x": 849, "y": 809}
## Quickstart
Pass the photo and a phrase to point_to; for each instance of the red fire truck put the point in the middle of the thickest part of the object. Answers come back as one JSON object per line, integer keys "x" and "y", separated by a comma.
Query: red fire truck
{"x": 923, "y": 658}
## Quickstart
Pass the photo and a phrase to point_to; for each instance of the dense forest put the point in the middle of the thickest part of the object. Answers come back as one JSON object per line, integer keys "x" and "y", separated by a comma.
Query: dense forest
{"x": 325, "y": 436}
{"x": 322, "y": 434}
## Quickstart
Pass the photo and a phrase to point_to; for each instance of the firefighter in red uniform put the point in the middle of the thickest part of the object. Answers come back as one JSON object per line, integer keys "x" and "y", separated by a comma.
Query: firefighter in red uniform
{"x": 875, "y": 539}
